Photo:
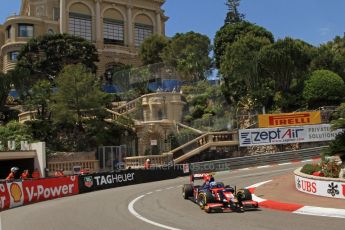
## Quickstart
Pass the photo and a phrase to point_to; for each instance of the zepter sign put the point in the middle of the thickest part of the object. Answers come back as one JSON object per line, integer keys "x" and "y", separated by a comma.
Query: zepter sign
{"x": 286, "y": 135}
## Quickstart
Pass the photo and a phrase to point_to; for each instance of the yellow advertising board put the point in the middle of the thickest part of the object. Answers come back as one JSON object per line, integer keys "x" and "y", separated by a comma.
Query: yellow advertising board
{"x": 289, "y": 119}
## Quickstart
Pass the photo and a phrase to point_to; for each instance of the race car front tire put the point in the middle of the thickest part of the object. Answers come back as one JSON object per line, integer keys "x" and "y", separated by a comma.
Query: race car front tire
{"x": 204, "y": 198}
{"x": 244, "y": 194}
{"x": 187, "y": 191}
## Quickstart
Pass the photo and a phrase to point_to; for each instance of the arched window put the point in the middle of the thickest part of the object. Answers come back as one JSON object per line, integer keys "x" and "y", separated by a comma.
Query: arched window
{"x": 80, "y": 21}
{"x": 113, "y": 27}
{"x": 143, "y": 29}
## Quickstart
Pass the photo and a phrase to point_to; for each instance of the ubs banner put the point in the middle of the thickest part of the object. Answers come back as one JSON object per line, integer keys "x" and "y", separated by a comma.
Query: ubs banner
{"x": 17, "y": 193}
{"x": 287, "y": 135}
{"x": 335, "y": 189}
{"x": 289, "y": 119}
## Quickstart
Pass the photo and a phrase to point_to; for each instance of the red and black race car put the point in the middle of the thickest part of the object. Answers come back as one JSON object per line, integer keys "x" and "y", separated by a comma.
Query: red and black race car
{"x": 214, "y": 196}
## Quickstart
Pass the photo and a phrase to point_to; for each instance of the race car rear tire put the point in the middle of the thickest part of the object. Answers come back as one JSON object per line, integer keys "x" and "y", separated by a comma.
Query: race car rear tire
{"x": 244, "y": 194}
{"x": 187, "y": 191}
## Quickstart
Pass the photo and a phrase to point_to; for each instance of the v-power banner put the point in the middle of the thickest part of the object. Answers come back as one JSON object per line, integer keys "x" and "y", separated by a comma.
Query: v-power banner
{"x": 287, "y": 135}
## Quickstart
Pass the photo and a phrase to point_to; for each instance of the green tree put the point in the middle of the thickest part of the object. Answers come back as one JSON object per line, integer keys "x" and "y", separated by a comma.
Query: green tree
{"x": 331, "y": 56}
{"x": 339, "y": 118}
{"x": 206, "y": 107}
{"x": 5, "y": 86}
{"x": 14, "y": 131}
{"x": 337, "y": 147}
{"x": 287, "y": 63}
{"x": 324, "y": 87}
{"x": 45, "y": 56}
{"x": 189, "y": 54}
{"x": 151, "y": 49}
{"x": 240, "y": 66}
{"x": 78, "y": 93}
{"x": 229, "y": 33}
{"x": 39, "y": 98}
{"x": 233, "y": 16}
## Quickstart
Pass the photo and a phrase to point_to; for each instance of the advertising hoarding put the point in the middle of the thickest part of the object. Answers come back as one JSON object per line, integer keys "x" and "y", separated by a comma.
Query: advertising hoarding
{"x": 287, "y": 135}
{"x": 332, "y": 189}
{"x": 17, "y": 193}
{"x": 289, "y": 119}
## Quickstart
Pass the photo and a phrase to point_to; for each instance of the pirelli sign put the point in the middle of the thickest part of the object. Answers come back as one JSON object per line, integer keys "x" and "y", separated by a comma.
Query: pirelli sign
{"x": 289, "y": 119}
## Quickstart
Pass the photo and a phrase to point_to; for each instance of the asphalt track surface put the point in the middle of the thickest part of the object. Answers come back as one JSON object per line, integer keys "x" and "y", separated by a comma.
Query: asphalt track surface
{"x": 160, "y": 203}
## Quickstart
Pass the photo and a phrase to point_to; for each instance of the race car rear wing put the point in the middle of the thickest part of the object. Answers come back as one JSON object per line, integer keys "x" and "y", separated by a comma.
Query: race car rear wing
{"x": 201, "y": 176}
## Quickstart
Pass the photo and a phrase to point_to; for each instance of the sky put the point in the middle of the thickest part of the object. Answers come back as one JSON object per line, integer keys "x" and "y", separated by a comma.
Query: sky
{"x": 314, "y": 21}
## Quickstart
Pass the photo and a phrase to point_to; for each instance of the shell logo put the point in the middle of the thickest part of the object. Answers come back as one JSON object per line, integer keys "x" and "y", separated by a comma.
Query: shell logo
{"x": 16, "y": 192}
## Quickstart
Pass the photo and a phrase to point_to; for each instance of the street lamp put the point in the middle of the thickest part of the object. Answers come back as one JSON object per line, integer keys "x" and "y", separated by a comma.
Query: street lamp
{"x": 108, "y": 76}
{"x": 164, "y": 108}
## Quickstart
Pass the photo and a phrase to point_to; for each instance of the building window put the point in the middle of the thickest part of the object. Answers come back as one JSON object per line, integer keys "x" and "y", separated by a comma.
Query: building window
{"x": 141, "y": 33}
{"x": 113, "y": 32}
{"x": 8, "y": 32}
{"x": 25, "y": 30}
{"x": 56, "y": 14}
{"x": 12, "y": 56}
{"x": 80, "y": 25}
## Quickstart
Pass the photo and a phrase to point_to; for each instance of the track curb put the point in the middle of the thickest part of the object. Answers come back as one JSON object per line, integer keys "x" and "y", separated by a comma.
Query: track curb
{"x": 295, "y": 208}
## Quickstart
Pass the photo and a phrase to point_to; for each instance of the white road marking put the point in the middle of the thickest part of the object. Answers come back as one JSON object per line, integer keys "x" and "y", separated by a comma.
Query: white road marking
{"x": 265, "y": 166}
{"x": 169, "y": 188}
{"x": 257, "y": 199}
{"x": 158, "y": 190}
{"x": 307, "y": 160}
{"x": 137, "y": 215}
{"x": 288, "y": 163}
{"x": 259, "y": 184}
{"x": 318, "y": 211}
{"x": 149, "y": 193}
{"x": 244, "y": 169}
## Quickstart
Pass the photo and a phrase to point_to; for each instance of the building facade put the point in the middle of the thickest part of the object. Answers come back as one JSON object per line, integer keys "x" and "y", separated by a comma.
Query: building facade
{"x": 116, "y": 27}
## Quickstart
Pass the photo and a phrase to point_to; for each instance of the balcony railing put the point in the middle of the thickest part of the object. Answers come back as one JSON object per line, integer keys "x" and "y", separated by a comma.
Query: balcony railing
{"x": 67, "y": 166}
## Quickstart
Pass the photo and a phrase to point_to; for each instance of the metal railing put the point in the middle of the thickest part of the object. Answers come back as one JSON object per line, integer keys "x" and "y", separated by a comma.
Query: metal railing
{"x": 155, "y": 160}
{"x": 258, "y": 160}
{"x": 203, "y": 142}
{"x": 67, "y": 166}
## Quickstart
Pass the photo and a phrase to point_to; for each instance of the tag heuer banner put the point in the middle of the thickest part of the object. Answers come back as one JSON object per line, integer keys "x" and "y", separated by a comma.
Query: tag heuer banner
{"x": 287, "y": 135}
{"x": 289, "y": 119}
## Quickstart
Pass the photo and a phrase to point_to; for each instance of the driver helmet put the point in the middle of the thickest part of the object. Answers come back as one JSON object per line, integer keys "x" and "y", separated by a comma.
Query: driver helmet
{"x": 213, "y": 183}
{"x": 14, "y": 169}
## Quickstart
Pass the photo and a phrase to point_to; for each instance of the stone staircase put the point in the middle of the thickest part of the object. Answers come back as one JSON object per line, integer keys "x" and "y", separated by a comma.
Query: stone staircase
{"x": 205, "y": 141}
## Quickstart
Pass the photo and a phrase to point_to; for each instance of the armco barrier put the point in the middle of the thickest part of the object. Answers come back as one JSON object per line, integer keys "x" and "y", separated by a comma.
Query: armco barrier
{"x": 100, "y": 181}
{"x": 18, "y": 193}
{"x": 257, "y": 160}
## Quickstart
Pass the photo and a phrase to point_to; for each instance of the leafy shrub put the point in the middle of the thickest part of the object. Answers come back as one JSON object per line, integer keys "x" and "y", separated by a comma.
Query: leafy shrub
{"x": 331, "y": 169}
{"x": 311, "y": 168}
